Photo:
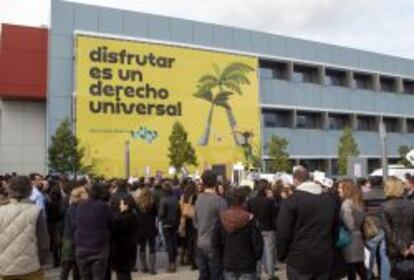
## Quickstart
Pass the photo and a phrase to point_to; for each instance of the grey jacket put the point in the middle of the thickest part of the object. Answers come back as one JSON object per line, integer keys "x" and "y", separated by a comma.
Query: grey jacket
{"x": 353, "y": 218}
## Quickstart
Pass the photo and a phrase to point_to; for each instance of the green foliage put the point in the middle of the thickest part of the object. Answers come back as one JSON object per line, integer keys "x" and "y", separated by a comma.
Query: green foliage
{"x": 279, "y": 158}
{"x": 65, "y": 154}
{"x": 347, "y": 148}
{"x": 403, "y": 151}
{"x": 180, "y": 152}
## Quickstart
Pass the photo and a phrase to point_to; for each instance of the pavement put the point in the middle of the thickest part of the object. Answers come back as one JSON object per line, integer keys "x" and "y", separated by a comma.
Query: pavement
{"x": 183, "y": 272}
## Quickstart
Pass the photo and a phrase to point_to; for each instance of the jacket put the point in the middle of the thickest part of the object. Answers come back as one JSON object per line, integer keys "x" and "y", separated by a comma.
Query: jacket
{"x": 169, "y": 211}
{"x": 264, "y": 211}
{"x": 307, "y": 225}
{"x": 147, "y": 227}
{"x": 353, "y": 218}
{"x": 92, "y": 227}
{"x": 237, "y": 241}
{"x": 24, "y": 240}
{"x": 124, "y": 245}
{"x": 398, "y": 224}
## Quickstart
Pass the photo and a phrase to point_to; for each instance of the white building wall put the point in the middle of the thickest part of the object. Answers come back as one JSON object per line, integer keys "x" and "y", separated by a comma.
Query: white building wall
{"x": 22, "y": 137}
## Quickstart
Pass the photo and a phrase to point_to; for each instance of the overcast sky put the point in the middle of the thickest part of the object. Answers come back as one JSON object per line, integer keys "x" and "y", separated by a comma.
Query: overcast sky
{"x": 385, "y": 26}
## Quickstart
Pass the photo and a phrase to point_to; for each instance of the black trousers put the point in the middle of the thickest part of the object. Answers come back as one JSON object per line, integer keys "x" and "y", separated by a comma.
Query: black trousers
{"x": 170, "y": 234}
{"x": 294, "y": 274}
{"x": 68, "y": 266}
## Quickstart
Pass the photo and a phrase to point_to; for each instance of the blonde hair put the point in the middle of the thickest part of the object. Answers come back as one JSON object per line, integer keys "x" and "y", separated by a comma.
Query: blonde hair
{"x": 77, "y": 194}
{"x": 145, "y": 199}
{"x": 352, "y": 192}
{"x": 394, "y": 187}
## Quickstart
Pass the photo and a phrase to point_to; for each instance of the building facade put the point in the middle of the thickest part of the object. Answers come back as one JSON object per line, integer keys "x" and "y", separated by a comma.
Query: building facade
{"x": 309, "y": 91}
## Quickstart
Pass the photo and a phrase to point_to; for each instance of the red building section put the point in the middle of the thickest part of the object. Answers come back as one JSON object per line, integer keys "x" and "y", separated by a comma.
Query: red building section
{"x": 23, "y": 63}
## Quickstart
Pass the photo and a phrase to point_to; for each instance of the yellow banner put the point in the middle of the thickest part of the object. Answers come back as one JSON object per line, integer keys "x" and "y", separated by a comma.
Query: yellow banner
{"x": 134, "y": 92}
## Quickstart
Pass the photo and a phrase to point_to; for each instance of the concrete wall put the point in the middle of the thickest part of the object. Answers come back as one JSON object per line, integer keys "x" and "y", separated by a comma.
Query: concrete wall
{"x": 22, "y": 137}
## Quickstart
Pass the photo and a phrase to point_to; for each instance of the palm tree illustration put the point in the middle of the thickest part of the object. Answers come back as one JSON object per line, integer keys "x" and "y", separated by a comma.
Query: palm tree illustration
{"x": 217, "y": 88}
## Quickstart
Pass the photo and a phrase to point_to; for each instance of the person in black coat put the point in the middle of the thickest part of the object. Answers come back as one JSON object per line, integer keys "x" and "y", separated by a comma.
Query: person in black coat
{"x": 236, "y": 240}
{"x": 146, "y": 216}
{"x": 124, "y": 244}
{"x": 307, "y": 227}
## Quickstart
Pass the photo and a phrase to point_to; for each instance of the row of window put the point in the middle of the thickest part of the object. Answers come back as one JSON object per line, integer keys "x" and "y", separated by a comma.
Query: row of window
{"x": 333, "y": 77}
{"x": 332, "y": 121}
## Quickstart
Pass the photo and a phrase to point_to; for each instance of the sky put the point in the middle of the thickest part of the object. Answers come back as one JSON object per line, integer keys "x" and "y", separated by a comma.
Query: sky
{"x": 384, "y": 26}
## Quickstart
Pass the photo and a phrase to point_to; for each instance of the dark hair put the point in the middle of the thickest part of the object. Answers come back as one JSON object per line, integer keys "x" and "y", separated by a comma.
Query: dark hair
{"x": 129, "y": 201}
{"x": 33, "y": 176}
{"x": 99, "y": 190}
{"x": 19, "y": 187}
{"x": 121, "y": 185}
{"x": 81, "y": 182}
{"x": 237, "y": 197}
{"x": 190, "y": 191}
{"x": 262, "y": 186}
{"x": 361, "y": 182}
{"x": 301, "y": 174}
{"x": 209, "y": 179}
{"x": 167, "y": 188}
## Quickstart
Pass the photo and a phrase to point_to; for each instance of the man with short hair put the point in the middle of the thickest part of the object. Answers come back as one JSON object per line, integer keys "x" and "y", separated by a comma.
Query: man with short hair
{"x": 36, "y": 195}
{"x": 208, "y": 208}
{"x": 307, "y": 227}
{"x": 24, "y": 242}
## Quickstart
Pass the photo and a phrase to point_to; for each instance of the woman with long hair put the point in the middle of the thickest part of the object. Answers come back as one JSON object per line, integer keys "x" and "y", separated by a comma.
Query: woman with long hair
{"x": 352, "y": 215}
{"x": 146, "y": 216}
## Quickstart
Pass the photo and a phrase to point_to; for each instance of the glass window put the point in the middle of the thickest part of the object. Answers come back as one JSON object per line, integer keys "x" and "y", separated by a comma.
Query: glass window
{"x": 335, "y": 77}
{"x": 305, "y": 74}
{"x": 273, "y": 70}
{"x": 309, "y": 120}
{"x": 391, "y": 124}
{"x": 277, "y": 118}
{"x": 338, "y": 121}
{"x": 408, "y": 87}
{"x": 363, "y": 81}
{"x": 366, "y": 123}
{"x": 388, "y": 84}
{"x": 410, "y": 125}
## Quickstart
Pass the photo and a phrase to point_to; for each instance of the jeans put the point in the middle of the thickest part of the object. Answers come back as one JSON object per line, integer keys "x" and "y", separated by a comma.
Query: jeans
{"x": 293, "y": 274}
{"x": 67, "y": 266}
{"x": 93, "y": 267}
{"x": 170, "y": 234}
{"x": 209, "y": 267}
{"x": 239, "y": 276}
{"x": 268, "y": 257}
{"x": 377, "y": 249}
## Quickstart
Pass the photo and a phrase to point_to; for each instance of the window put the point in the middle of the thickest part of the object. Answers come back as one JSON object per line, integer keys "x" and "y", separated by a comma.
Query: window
{"x": 410, "y": 125}
{"x": 338, "y": 121}
{"x": 408, "y": 86}
{"x": 392, "y": 124}
{"x": 277, "y": 118}
{"x": 388, "y": 84}
{"x": 366, "y": 123}
{"x": 309, "y": 120}
{"x": 335, "y": 77}
{"x": 362, "y": 81}
{"x": 305, "y": 74}
{"x": 273, "y": 70}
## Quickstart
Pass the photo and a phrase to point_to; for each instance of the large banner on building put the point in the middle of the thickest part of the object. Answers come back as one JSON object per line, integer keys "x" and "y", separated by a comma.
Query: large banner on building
{"x": 134, "y": 92}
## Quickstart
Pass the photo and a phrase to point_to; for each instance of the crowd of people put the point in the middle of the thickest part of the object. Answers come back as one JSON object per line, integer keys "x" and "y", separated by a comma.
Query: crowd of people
{"x": 94, "y": 228}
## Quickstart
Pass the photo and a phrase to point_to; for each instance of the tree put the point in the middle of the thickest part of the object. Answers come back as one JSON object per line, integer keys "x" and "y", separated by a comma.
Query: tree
{"x": 279, "y": 157}
{"x": 347, "y": 148}
{"x": 225, "y": 83}
{"x": 403, "y": 151}
{"x": 181, "y": 152}
{"x": 65, "y": 154}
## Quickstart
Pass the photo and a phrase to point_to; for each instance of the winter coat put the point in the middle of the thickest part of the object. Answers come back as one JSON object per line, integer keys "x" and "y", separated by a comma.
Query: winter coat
{"x": 307, "y": 225}
{"x": 399, "y": 226}
{"x": 124, "y": 245}
{"x": 147, "y": 227}
{"x": 237, "y": 241}
{"x": 92, "y": 227}
{"x": 169, "y": 211}
{"x": 353, "y": 218}
{"x": 264, "y": 211}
